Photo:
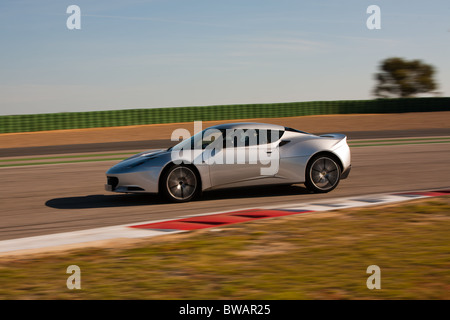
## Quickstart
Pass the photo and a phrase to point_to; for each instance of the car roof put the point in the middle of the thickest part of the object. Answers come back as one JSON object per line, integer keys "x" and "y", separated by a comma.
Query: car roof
{"x": 248, "y": 125}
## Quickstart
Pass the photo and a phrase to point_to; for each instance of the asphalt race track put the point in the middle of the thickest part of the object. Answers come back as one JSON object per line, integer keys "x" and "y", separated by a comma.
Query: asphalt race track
{"x": 46, "y": 199}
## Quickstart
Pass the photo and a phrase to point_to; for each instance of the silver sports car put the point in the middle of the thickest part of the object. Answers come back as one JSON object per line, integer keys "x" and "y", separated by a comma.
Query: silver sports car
{"x": 235, "y": 155}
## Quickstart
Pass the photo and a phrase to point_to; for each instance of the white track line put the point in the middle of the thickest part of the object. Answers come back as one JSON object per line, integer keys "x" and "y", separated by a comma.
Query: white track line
{"x": 126, "y": 230}
{"x": 75, "y": 237}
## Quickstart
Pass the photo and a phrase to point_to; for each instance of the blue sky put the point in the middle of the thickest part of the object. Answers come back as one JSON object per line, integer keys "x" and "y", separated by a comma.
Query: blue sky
{"x": 162, "y": 53}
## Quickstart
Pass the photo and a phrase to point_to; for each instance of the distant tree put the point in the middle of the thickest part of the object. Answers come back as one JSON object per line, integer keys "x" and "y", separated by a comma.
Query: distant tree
{"x": 402, "y": 78}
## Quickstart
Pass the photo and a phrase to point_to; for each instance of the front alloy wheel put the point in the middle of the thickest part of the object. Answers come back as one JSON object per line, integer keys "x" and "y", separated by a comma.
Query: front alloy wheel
{"x": 180, "y": 184}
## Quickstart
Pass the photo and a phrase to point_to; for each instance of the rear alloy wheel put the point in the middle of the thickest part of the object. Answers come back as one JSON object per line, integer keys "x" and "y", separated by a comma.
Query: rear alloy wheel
{"x": 322, "y": 174}
{"x": 180, "y": 184}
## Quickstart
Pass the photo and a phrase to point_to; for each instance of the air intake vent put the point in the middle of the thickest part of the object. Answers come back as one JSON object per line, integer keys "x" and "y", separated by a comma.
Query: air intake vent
{"x": 113, "y": 182}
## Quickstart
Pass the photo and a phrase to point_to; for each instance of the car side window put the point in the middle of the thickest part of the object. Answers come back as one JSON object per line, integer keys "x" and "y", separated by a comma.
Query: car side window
{"x": 280, "y": 134}
{"x": 240, "y": 138}
{"x": 269, "y": 136}
{"x": 250, "y": 137}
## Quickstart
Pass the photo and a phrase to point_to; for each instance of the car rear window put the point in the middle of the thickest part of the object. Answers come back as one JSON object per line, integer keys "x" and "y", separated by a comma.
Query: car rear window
{"x": 295, "y": 130}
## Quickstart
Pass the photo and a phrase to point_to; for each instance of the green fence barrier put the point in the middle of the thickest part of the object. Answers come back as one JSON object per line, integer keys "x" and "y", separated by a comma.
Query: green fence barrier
{"x": 113, "y": 118}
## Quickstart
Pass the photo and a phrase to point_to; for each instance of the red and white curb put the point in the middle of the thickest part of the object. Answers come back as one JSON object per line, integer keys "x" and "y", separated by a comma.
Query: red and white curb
{"x": 208, "y": 220}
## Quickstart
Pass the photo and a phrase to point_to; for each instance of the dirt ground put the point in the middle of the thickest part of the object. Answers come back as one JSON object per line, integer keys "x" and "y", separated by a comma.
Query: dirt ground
{"x": 322, "y": 123}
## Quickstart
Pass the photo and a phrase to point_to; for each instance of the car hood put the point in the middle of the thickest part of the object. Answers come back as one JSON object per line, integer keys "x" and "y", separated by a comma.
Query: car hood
{"x": 139, "y": 161}
{"x": 147, "y": 154}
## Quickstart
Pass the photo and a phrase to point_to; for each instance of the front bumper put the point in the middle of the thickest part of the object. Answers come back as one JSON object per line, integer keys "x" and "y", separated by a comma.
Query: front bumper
{"x": 133, "y": 182}
{"x": 125, "y": 189}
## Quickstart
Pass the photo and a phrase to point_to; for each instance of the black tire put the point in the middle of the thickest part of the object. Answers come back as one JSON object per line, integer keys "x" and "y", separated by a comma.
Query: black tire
{"x": 322, "y": 173}
{"x": 180, "y": 183}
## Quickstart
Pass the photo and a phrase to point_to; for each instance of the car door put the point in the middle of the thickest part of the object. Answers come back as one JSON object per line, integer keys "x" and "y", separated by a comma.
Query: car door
{"x": 241, "y": 157}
